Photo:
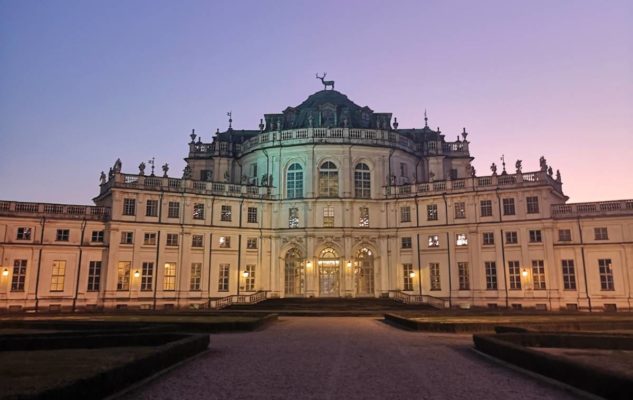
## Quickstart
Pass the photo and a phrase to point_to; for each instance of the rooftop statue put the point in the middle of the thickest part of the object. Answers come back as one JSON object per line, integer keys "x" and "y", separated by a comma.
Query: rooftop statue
{"x": 325, "y": 83}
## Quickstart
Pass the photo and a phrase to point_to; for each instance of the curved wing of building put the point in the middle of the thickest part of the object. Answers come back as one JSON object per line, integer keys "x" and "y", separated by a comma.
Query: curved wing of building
{"x": 325, "y": 199}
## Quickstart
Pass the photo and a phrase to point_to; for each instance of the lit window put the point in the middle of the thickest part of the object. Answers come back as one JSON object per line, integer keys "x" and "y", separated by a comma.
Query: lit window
{"x": 249, "y": 278}
{"x": 508, "y": 207}
{"x": 488, "y": 238}
{"x": 328, "y": 180}
{"x": 463, "y": 275}
{"x": 294, "y": 182}
{"x": 225, "y": 242}
{"x": 24, "y": 234}
{"x": 431, "y": 212}
{"x": 460, "y": 210}
{"x": 535, "y": 236}
{"x": 198, "y": 211}
{"x": 407, "y": 270}
{"x": 172, "y": 239}
{"x": 486, "y": 208}
{"x": 57, "y": 278}
{"x": 129, "y": 206}
{"x": 169, "y": 278}
{"x": 251, "y": 243}
{"x": 364, "y": 217}
{"x": 434, "y": 241}
{"x": 328, "y": 217}
{"x": 151, "y": 208}
{"x": 225, "y": 214}
{"x": 434, "y": 276}
{"x": 293, "y": 217}
{"x": 196, "y": 241}
{"x": 601, "y": 233}
{"x": 123, "y": 275}
{"x": 514, "y": 273}
{"x": 406, "y": 243}
{"x": 362, "y": 181}
{"x": 564, "y": 235}
{"x": 223, "y": 278}
{"x": 149, "y": 239}
{"x": 405, "y": 214}
{"x": 532, "y": 205}
{"x": 538, "y": 274}
{"x": 462, "y": 239}
{"x": 196, "y": 276}
{"x": 251, "y": 215}
{"x": 62, "y": 235}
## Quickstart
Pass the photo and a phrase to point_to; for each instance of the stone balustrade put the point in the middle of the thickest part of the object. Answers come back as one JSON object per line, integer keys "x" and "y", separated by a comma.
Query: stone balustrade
{"x": 65, "y": 211}
{"x": 331, "y": 136}
{"x": 598, "y": 208}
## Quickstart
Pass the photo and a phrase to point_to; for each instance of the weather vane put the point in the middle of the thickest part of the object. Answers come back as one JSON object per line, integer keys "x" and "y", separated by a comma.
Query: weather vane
{"x": 325, "y": 83}
{"x": 151, "y": 162}
{"x": 230, "y": 114}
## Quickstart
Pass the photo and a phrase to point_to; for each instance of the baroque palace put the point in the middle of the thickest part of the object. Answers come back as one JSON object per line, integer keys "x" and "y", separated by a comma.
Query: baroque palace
{"x": 325, "y": 199}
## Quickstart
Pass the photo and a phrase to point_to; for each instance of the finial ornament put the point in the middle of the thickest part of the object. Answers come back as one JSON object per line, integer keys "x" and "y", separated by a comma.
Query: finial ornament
{"x": 464, "y": 134}
{"x": 230, "y": 115}
{"x": 261, "y": 125}
{"x": 503, "y": 164}
{"x": 395, "y": 123}
{"x": 165, "y": 170}
{"x": 141, "y": 168}
{"x": 518, "y": 165}
{"x": 325, "y": 83}
{"x": 193, "y": 135}
{"x": 426, "y": 119}
{"x": 151, "y": 163}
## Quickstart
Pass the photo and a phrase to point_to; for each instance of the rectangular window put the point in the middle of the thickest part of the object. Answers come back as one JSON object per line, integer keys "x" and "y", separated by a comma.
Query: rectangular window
{"x": 97, "y": 237}
{"x": 94, "y": 276}
{"x": 24, "y": 234}
{"x": 225, "y": 242}
{"x": 198, "y": 211}
{"x": 538, "y": 274}
{"x": 434, "y": 241}
{"x": 403, "y": 169}
{"x": 197, "y": 240}
{"x": 249, "y": 278}
{"x": 462, "y": 239}
{"x": 123, "y": 275}
{"x": 606, "y": 274}
{"x": 57, "y": 278}
{"x": 569, "y": 274}
{"x": 196, "y": 276}
{"x": 512, "y": 238}
{"x": 601, "y": 233}
{"x": 532, "y": 205}
{"x": 129, "y": 206}
{"x": 223, "y": 278}
{"x": 254, "y": 170}
{"x": 169, "y": 282}
{"x": 488, "y": 238}
{"x": 431, "y": 212}
{"x": 564, "y": 235}
{"x": 62, "y": 235}
{"x": 19, "y": 276}
{"x": 453, "y": 173}
{"x": 464, "y": 276}
{"x": 364, "y": 217}
{"x": 149, "y": 239}
{"x": 251, "y": 243}
{"x": 206, "y": 175}
{"x": 485, "y": 207}
{"x": 460, "y": 210}
{"x": 491, "y": 275}
{"x": 405, "y": 214}
{"x": 127, "y": 237}
{"x": 293, "y": 217}
{"x": 172, "y": 239}
{"x": 514, "y": 273}
{"x": 225, "y": 214}
{"x": 151, "y": 208}
{"x": 251, "y": 215}
{"x": 434, "y": 275}
{"x": 328, "y": 217}
{"x": 173, "y": 209}
{"x": 408, "y": 275}
{"x": 147, "y": 276}
{"x": 406, "y": 243}
{"x": 508, "y": 207}
{"x": 535, "y": 236}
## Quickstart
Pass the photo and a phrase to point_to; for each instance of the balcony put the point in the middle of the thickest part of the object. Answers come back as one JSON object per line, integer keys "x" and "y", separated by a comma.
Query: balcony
{"x": 594, "y": 209}
{"x": 64, "y": 211}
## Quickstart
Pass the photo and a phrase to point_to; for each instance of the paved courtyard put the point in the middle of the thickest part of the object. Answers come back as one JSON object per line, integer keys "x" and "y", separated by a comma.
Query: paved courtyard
{"x": 343, "y": 358}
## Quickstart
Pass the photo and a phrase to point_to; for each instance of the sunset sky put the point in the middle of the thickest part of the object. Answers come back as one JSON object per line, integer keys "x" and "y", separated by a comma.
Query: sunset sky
{"x": 85, "y": 82}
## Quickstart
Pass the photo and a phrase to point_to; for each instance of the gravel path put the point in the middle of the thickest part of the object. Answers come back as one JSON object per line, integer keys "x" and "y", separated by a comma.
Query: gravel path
{"x": 342, "y": 358}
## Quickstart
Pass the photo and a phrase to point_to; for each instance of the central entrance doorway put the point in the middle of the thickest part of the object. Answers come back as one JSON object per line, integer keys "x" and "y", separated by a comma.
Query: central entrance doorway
{"x": 329, "y": 273}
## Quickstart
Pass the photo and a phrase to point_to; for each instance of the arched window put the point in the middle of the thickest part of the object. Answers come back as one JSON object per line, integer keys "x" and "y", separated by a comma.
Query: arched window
{"x": 362, "y": 181}
{"x": 294, "y": 182}
{"x": 328, "y": 180}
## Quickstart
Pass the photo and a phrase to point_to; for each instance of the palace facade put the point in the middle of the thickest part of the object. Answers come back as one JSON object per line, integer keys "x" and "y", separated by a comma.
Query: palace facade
{"x": 326, "y": 199}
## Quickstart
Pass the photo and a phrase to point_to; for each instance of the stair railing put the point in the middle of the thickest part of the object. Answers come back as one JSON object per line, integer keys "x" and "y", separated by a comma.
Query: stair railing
{"x": 253, "y": 298}
{"x": 407, "y": 298}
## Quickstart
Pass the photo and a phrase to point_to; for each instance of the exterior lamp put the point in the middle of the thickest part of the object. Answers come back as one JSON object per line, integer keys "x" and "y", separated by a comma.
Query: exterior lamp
{"x": 349, "y": 264}
{"x": 308, "y": 264}
{"x": 245, "y": 274}
{"x": 137, "y": 274}
{"x": 524, "y": 273}
{"x": 411, "y": 274}
{"x": 5, "y": 272}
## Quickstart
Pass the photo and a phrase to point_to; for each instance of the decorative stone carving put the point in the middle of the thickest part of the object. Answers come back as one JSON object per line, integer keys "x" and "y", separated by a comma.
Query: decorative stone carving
{"x": 165, "y": 170}
{"x": 550, "y": 171}
{"x": 186, "y": 173}
{"x": 493, "y": 168}
{"x": 543, "y": 164}
{"x": 102, "y": 178}
{"x": 558, "y": 178}
{"x": 227, "y": 176}
{"x": 141, "y": 169}
{"x": 519, "y": 166}
{"x": 117, "y": 166}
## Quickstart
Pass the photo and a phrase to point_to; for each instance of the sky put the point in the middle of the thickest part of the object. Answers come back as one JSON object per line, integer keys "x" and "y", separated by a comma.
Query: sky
{"x": 83, "y": 83}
